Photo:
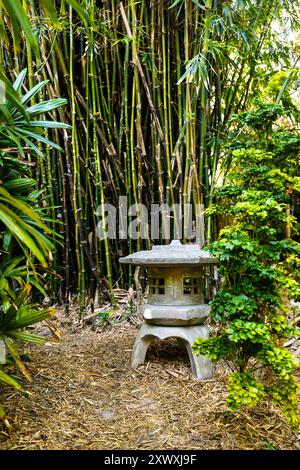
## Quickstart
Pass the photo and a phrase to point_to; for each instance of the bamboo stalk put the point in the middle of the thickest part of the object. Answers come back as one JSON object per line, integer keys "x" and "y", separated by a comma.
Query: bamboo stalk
{"x": 137, "y": 129}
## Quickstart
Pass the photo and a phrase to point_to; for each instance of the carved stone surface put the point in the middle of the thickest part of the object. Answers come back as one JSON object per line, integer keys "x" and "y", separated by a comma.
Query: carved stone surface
{"x": 175, "y": 315}
{"x": 172, "y": 279}
{"x": 168, "y": 255}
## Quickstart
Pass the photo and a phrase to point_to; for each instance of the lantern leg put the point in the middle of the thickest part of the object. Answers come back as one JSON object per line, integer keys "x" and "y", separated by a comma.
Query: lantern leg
{"x": 141, "y": 345}
{"x": 201, "y": 366}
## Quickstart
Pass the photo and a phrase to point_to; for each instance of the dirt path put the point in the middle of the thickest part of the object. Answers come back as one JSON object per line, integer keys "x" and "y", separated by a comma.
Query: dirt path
{"x": 85, "y": 396}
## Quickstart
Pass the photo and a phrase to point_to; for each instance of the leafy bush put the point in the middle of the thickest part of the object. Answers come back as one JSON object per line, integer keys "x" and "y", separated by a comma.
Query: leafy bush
{"x": 258, "y": 268}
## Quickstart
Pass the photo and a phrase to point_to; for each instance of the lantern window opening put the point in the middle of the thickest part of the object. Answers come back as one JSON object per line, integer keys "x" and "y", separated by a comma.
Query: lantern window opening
{"x": 157, "y": 285}
{"x": 191, "y": 285}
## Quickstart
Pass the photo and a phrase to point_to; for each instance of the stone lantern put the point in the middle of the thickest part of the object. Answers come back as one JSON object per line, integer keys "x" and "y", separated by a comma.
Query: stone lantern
{"x": 175, "y": 306}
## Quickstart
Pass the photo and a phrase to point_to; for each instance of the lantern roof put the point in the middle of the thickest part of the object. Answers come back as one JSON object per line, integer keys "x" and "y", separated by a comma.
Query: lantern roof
{"x": 170, "y": 255}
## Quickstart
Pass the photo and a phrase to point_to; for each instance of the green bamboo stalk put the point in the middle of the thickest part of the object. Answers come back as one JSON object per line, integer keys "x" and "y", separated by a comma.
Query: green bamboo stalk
{"x": 135, "y": 131}
{"x": 77, "y": 200}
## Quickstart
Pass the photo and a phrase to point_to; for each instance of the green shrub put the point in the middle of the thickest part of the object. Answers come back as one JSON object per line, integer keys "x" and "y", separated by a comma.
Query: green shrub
{"x": 259, "y": 272}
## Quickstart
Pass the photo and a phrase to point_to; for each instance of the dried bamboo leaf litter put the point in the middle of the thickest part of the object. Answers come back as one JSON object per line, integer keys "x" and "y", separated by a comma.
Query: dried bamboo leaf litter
{"x": 86, "y": 396}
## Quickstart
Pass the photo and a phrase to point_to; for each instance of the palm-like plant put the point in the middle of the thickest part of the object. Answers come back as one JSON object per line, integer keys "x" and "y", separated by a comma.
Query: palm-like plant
{"x": 22, "y": 127}
{"x": 15, "y": 315}
{"x": 20, "y": 133}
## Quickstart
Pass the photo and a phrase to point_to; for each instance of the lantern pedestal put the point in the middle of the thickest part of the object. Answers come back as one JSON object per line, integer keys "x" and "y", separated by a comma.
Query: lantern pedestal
{"x": 201, "y": 366}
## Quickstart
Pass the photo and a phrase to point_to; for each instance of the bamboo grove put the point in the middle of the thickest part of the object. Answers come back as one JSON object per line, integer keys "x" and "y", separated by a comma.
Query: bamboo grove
{"x": 152, "y": 86}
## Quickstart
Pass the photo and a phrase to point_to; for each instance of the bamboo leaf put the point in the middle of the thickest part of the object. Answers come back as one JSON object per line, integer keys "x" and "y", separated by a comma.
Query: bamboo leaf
{"x": 82, "y": 12}
{"x": 33, "y": 92}
{"x": 46, "y": 106}
{"x": 198, "y": 4}
{"x": 38, "y": 286}
{"x": 10, "y": 381}
{"x": 20, "y": 80}
{"x": 175, "y": 3}
{"x": 12, "y": 98}
{"x": 21, "y": 184}
{"x": 7, "y": 237}
{"x": 50, "y": 8}
{"x": 16, "y": 356}
{"x": 26, "y": 337}
{"x": 3, "y": 32}
{"x": 40, "y": 138}
{"x": 21, "y": 299}
{"x": 46, "y": 124}
{"x": 14, "y": 224}
{"x": 14, "y": 25}
{"x": 13, "y": 264}
{"x": 30, "y": 144}
{"x": 16, "y": 10}
{"x": 42, "y": 238}
{"x": 21, "y": 206}
{"x": 29, "y": 317}
{"x": 14, "y": 141}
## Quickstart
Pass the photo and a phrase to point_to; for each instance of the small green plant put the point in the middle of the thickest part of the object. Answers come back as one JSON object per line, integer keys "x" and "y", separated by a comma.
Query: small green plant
{"x": 15, "y": 315}
{"x": 258, "y": 268}
{"x": 105, "y": 319}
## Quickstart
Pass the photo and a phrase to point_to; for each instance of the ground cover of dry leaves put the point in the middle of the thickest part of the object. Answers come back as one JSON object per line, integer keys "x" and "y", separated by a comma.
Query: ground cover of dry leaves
{"x": 84, "y": 395}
